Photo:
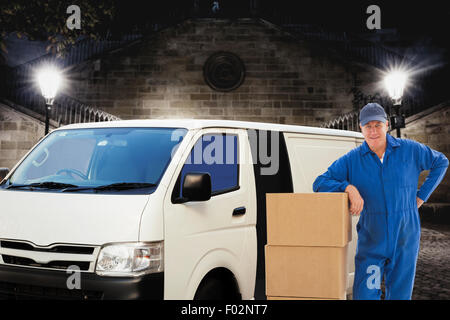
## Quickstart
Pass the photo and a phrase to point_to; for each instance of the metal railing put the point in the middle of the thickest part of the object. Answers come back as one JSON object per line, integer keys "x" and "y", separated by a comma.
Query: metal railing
{"x": 348, "y": 121}
{"x": 81, "y": 51}
{"x": 65, "y": 110}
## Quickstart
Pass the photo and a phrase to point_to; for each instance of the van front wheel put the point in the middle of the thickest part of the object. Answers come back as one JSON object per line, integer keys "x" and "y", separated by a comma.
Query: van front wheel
{"x": 216, "y": 289}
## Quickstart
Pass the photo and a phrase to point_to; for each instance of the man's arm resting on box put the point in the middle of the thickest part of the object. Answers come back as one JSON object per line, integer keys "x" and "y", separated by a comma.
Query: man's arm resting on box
{"x": 335, "y": 179}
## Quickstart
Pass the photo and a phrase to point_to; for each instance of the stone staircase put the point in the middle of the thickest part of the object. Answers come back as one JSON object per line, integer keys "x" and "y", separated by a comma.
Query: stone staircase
{"x": 19, "y": 131}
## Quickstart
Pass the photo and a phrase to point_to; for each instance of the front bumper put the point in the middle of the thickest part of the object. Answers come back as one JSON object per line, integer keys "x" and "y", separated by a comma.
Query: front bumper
{"x": 29, "y": 283}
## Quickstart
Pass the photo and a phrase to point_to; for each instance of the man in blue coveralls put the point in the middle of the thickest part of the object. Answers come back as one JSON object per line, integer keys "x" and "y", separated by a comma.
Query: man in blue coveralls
{"x": 381, "y": 178}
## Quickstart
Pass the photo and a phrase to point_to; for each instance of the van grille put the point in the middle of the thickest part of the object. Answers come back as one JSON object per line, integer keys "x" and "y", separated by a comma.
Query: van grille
{"x": 59, "y": 257}
{"x": 56, "y": 249}
{"x": 60, "y": 265}
{"x": 18, "y": 291}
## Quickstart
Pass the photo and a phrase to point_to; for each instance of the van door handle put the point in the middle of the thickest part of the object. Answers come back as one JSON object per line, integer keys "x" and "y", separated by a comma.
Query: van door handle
{"x": 239, "y": 211}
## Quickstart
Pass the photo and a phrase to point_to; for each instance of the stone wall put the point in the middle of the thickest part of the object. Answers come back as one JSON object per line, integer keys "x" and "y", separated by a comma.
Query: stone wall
{"x": 432, "y": 127}
{"x": 18, "y": 133}
{"x": 287, "y": 80}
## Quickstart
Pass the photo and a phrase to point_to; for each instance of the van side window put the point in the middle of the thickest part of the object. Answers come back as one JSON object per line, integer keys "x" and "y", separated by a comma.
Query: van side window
{"x": 217, "y": 155}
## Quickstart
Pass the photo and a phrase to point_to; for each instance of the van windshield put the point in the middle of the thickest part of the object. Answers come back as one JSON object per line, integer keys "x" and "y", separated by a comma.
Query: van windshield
{"x": 100, "y": 159}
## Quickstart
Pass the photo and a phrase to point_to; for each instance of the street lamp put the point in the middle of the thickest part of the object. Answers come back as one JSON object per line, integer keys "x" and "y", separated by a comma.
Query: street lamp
{"x": 395, "y": 83}
{"x": 49, "y": 79}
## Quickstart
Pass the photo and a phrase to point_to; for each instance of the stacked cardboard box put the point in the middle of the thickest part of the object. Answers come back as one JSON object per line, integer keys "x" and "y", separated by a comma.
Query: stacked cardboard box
{"x": 307, "y": 244}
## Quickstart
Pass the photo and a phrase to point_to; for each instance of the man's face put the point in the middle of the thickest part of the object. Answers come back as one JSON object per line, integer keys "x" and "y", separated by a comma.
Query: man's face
{"x": 374, "y": 133}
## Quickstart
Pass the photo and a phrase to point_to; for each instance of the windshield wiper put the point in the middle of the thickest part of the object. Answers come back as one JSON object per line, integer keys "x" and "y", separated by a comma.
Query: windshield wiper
{"x": 115, "y": 186}
{"x": 46, "y": 185}
{"x": 125, "y": 185}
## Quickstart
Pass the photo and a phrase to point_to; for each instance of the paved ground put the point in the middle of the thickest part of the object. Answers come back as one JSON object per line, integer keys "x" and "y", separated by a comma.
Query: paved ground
{"x": 433, "y": 266}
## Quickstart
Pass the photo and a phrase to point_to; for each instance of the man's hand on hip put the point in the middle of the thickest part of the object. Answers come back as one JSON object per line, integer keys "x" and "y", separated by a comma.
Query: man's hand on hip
{"x": 356, "y": 201}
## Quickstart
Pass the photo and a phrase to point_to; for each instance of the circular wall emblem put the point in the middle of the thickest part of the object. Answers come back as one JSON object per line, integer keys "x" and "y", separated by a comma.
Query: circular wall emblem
{"x": 224, "y": 71}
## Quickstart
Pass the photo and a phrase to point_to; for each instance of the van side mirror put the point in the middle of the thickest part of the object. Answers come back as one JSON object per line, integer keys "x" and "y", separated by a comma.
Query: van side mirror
{"x": 196, "y": 187}
{"x": 3, "y": 173}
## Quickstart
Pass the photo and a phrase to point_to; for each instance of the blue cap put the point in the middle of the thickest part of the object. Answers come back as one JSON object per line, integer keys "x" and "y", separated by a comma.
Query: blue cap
{"x": 372, "y": 112}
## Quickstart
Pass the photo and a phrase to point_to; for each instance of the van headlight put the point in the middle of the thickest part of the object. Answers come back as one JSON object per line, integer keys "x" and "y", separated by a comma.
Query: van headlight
{"x": 130, "y": 259}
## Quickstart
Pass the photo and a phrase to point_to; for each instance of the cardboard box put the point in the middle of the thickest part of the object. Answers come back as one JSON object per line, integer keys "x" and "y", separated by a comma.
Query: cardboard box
{"x": 319, "y": 272}
{"x": 308, "y": 219}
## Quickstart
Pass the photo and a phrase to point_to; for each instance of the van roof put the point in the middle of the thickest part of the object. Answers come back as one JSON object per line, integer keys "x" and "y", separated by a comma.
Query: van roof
{"x": 209, "y": 123}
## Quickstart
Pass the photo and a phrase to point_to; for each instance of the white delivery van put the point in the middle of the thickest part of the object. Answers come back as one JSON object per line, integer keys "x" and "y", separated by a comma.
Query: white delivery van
{"x": 164, "y": 209}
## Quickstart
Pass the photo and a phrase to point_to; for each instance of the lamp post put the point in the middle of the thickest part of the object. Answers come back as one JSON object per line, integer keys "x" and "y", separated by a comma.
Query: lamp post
{"x": 395, "y": 83}
{"x": 49, "y": 80}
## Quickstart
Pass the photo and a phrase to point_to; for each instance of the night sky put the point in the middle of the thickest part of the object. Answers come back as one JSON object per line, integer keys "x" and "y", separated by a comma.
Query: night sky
{"x": 424, "y": 22}
{"x": 408, "y": 16}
